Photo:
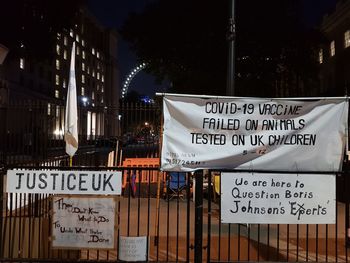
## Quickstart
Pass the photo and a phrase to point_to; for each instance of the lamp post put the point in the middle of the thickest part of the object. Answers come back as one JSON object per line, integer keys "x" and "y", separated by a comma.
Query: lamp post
{"x": 231, "y": 35}
{"x": 3, "y": 100}
{"x": 3, "y": 90}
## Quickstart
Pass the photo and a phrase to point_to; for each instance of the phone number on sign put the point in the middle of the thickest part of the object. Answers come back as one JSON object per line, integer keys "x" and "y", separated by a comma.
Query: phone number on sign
{"x": 182, "y": 162}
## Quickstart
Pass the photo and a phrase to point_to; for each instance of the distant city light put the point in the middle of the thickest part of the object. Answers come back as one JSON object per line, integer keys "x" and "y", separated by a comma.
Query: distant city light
{"x": 84, "y": 100}
{"x": 58, "y": 132}
{"x": 146, "y": 99}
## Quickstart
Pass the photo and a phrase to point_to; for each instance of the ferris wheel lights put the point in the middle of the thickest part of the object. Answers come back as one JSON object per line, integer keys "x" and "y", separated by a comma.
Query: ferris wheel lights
{"x": 131, "y": 75}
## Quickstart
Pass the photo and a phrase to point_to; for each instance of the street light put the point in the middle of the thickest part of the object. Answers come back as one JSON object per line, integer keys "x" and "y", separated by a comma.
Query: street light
{"x": 84, "y": 100}
{"x": 231, "y": 35}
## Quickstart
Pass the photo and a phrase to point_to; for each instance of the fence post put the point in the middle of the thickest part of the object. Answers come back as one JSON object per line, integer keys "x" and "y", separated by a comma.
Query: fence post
{"x": 4, "y": 148}
{"x": 198, "y": 215}
{"x": 2, "y": 197}
{"x": 347, "y": 200}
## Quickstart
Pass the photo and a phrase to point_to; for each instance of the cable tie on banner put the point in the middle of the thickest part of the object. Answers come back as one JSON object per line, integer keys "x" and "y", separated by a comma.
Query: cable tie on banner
{"x": 251, "y": 167}
{"x": 296, "y": 168}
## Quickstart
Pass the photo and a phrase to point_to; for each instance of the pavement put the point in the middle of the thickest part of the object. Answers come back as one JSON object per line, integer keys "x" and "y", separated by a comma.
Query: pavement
{"x": 228, "y": 242}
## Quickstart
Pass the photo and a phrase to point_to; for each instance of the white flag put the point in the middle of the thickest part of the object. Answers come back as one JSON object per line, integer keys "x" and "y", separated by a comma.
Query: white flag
{"x": 71, "y": 117}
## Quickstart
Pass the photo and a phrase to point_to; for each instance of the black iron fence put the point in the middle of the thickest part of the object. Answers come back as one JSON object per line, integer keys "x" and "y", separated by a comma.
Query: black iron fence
{"x": 178, "y": 226}
{"x": 34, "y": 131}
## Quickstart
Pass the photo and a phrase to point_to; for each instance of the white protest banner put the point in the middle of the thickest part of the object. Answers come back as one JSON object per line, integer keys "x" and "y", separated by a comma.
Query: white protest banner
{"x": 133, "y": 248}
{"x": 64, "y": 182}
{"x": 247, "y": 133}
{"x": 278, "y": 198}
{"x": 82, "y": 222}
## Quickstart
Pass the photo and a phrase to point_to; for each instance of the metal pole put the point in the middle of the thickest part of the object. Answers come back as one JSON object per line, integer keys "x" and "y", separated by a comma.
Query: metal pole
{"x": 198, "y": 214}
{"x": 3, "y": 54}
{"x": 231, "y": 35}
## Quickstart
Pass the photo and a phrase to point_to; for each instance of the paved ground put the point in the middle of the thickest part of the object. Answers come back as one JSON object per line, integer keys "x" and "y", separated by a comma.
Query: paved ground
{"x": 253, "y": 243}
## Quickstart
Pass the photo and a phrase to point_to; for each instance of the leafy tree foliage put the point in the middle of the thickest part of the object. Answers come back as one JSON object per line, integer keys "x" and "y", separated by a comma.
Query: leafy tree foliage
{"x": 132, "y": 96}
{"x": 185, "y": 42}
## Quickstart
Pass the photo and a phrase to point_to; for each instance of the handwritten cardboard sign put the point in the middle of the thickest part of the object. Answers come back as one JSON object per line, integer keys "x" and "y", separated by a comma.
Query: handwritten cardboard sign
{"x": 83, "y": 222}
{"x": 278, "y": 198}
{"x": 133, "y": 248}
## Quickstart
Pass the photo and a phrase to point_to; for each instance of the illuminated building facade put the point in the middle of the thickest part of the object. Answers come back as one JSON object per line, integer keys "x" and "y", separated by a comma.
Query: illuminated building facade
{"x": 44, "y": 82}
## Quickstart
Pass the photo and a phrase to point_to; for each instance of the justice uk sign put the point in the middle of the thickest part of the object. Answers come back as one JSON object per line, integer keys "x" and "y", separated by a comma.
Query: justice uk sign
{"x": 249, "y": 133}
{"x": 64, "y": 182}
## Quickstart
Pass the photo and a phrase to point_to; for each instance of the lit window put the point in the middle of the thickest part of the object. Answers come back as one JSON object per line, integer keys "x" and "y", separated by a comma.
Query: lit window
{"x": 83, "y": 42}
{"x": 57, "y": 111}
{"x": 57, "y": 80}
{"x": 48, "y": 109}
{"x": 83, "y": 54}
{"x": 88, "y": 70}
{"x": 65, "y": 54}
{"x": 93, "y": 73}
{"x": 83, "y": 66}
{"x": 65, "y": 41}
{"x": 58, "y": 50}
{"x": 78, "y": 50}
{"x": 92, "y": 95}
{"x": 98, "y": 75}
{"x": 82, "y": 91}
{"x": 98, "y": 54}
{"x": 58, "y": 36}
{"x": 57, "y": 64}
{"x": 347, "y": 39}
{"x": 77, "y": 38}
{"x": 102, "y": 89}
{"x": 332, "y": 48}
{"x": 93, "y": 51}
{"x": 102, "y": 100}
{"x": 103, "y": 78}
{"x": 83, "y": 79}
{"x": 57, "y": 93}
{"x": 320, "y": 56}
{"x": 71, "y": 33}
{"x": 64, "y": 83}
{"x": 21, "y": 63}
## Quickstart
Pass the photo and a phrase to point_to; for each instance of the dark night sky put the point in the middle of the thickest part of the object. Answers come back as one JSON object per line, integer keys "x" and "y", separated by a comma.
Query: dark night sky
{"x": 112, "y": 13}
{"x": 315, "y": 9}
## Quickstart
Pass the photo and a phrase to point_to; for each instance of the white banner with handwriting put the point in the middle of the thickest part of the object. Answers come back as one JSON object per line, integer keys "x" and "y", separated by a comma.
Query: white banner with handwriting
{"x": 82, "y": 222}
{"x": 278, "y": 198}
{"x": 259, "y": 134}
